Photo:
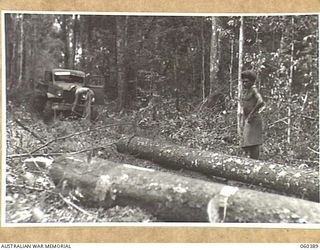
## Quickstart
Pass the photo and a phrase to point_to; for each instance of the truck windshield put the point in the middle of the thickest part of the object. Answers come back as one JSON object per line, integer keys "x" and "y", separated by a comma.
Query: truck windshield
{"x": 68, "y": 78}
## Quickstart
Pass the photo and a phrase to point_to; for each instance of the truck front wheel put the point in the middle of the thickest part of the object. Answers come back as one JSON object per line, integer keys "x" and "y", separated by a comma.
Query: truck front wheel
{"x": 94, "y": 114}
{"x": 38, "y": 103}
{"x": 47, "y": 112}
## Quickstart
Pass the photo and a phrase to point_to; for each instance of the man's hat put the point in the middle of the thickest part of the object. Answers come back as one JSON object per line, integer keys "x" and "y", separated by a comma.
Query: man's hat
{"x": 249, "y": 74}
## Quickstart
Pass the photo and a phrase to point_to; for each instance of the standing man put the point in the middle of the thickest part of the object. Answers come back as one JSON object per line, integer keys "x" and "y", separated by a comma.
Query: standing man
{"x": 89, "y": 95}
{"x": 252, "y": 102}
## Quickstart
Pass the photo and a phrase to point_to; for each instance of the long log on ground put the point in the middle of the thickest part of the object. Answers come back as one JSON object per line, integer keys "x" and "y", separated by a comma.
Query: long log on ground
{"x": 283, "y": 179}
{"x": 170, "y": 197}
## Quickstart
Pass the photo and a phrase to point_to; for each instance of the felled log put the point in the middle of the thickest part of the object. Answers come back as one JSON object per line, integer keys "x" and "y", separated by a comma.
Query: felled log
{"x": 283, "y": 179}
{"x": 170, "y": 197}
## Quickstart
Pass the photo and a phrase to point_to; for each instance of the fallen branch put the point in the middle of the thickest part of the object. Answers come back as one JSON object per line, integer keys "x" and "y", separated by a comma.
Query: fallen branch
{"x": 304, "y": 102}
{"x": 75, "y": 206}
{"x": 314, "y": 151}
{"x": 75, "y": 134}
{"x": 33, "y": 155}
{"x": 225, "y": 128}
{"x": 90, "y": 149}
{"x": 28, "y": 187}
{"x": 309, "y": 118}
{"x": 28, "y": 130}
{"x": 59, "y": 153}
{"x": 29, "y": 155}
{"x": 24, "y": 217}
{"x": 280, "y": 120}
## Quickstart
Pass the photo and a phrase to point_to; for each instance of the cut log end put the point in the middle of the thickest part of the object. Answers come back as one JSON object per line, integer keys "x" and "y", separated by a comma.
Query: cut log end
{"x": 217, "y": 206}
{"x": 213, "y": 211}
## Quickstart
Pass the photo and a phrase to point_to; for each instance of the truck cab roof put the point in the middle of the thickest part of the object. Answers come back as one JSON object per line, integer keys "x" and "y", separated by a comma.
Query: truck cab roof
{"x": 59, "y": 71}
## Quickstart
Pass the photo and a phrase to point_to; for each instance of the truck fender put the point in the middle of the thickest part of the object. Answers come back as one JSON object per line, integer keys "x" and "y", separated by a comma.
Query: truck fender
{"x": 49, "y": 95}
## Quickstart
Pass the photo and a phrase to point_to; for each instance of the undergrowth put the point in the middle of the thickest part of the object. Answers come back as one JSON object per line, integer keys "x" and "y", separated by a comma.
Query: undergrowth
{"x": 31, "y": 196}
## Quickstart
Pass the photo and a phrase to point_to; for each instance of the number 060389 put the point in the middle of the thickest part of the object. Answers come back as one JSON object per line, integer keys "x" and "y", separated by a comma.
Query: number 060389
{"x": 310, "y": 246}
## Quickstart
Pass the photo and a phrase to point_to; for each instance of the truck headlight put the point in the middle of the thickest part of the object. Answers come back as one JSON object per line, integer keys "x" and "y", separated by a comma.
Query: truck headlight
{"x": 59, "y": 93}
{"x": 84, "y": 96}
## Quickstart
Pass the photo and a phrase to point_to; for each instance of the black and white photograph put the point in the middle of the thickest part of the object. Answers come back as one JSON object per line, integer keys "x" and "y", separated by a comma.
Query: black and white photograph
{"x": 158, "y": 119}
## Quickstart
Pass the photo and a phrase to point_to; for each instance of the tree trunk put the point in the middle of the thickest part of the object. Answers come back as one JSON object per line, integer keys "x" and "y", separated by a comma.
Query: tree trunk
{"x": 231, "y": 68}
{"x": 9, "y": 44}
{"x": 89, "y": 45}
{"x": 176, "y": 80}
{"x": 121, "y": 63}
{"x": 34, "y": 50}
{"x": 239, "y": 111}
{"x": 14, "y": 58}
{"x": 290, "y": 85}
{"x": 203, "y": 76}
{"x": 171, "y": 197}
{"x": 132, "y": 58}
{"x": 283, "y": 179}
{"x": 194, "y": 83}
{"x": 20, "y": 52}
{"x": 74, "y": 42}
{"x": 213, "y": 55}
{"x": 65, "y": 40}
{"x": 25, "y": 57}
{"x": 112, "y": 78}
{"x": 83, "y": 41}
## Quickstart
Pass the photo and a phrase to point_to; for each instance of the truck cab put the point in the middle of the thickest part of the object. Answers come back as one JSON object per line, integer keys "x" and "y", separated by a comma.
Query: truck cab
{"x": 58, "y": 92}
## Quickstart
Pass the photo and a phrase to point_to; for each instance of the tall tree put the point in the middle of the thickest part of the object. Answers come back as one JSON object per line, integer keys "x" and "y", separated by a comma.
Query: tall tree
{"x": 66, "y": 40}
{"x": 20, "y": 51}
{"x": 10, "y": 32}
{"x": 176, "y": 80}
{"x": 231, "y": 67}
{"x": 214, "y": 64}
{"x": 240, "y": 65}
{"x": 33, "y": 44}
{"x": 89, "y": 43}
{"x": 112, "y": 60}
{"x": 290, "y": 79}
{"x": 122, "y": 25}
{"x": 74, "y": 40}
{"x": 203, "y": 48}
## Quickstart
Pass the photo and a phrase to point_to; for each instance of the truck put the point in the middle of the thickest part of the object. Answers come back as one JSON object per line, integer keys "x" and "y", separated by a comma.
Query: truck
{"x": 56, "y": 94}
